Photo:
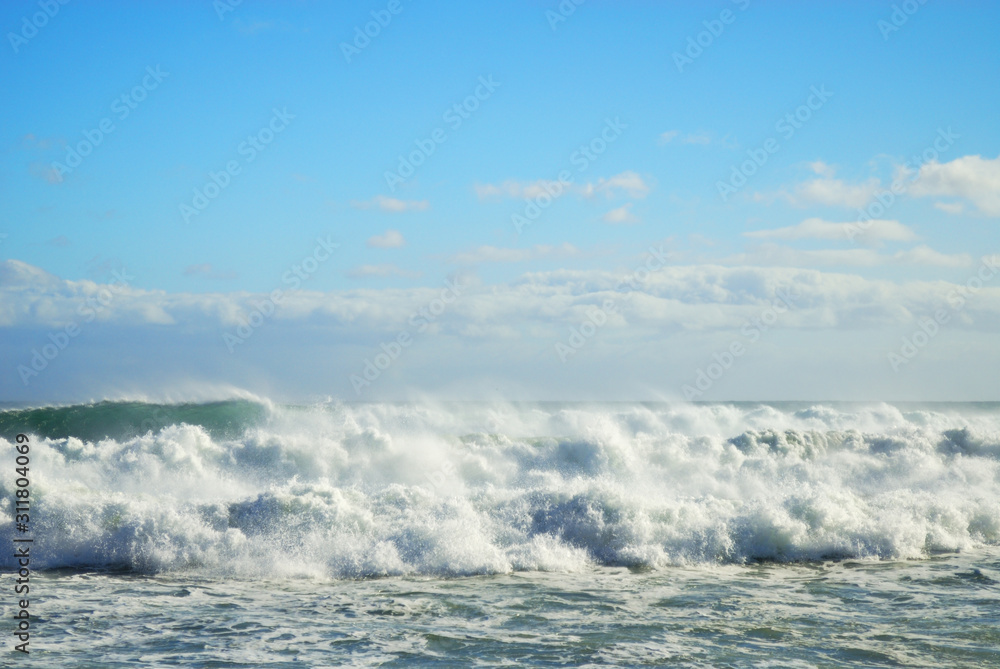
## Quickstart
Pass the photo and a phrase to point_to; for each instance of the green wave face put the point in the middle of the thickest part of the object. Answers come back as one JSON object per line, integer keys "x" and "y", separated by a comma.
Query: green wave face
{"x": 124, "y": 420}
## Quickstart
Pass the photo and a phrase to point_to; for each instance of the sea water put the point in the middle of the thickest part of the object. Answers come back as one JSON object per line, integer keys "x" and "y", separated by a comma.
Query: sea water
{"x": 249, "y": 534}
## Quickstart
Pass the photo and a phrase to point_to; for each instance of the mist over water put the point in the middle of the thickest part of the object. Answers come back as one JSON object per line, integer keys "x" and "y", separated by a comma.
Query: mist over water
{"x": 249, "y": 489}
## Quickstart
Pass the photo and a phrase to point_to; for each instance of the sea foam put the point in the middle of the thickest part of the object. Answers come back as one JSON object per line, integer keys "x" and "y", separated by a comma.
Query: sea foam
{"x": 247, "y": 489}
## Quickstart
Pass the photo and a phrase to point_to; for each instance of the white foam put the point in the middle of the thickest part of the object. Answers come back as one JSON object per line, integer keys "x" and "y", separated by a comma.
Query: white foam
{"x": 381, "y": 489}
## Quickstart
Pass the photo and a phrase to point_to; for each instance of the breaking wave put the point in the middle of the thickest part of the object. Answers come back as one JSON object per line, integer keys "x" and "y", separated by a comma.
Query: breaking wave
{"x": 249, "y": 489}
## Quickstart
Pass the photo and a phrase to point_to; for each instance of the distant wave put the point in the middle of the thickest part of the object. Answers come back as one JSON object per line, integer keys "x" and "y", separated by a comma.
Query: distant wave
{"x": 245, "y": 489}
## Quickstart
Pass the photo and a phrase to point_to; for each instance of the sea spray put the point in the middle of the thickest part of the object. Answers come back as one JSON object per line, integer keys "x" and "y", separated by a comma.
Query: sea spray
{"x": 245, "y": 490}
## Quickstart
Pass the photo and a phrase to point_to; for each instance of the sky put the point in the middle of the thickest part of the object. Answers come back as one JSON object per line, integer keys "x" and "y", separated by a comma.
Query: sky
{"x": 532, "y": 200}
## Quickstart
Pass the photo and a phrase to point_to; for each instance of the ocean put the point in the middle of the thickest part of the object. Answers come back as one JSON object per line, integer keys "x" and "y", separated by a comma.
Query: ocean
{"x": 246, "y": 533}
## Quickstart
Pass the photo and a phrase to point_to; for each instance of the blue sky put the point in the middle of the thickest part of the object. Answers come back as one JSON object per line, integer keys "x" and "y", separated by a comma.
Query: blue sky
{"x": 200, "y": 78}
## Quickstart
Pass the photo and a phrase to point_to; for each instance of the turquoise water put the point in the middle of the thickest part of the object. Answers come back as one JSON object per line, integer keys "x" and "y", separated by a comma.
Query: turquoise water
{"x": 249, "y": 534}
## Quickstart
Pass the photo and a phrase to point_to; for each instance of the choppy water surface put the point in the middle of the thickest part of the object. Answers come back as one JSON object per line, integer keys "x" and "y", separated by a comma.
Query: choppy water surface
{"x": 942, "y": 611}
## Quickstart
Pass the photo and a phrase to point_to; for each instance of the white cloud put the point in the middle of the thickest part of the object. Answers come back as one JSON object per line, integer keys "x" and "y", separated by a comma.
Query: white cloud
{"x": 974, "y": 178}
{"x": 366, "y": 271}
{"x": 391, "y": 204}
{"x": 622, "y": 214}
{"x": 659, "y": 333}
{"x": 833, "y": 192}
{"x": 390, "y": 239}
{"x": 825, "y": 190}
{"x": 20, "y": 275}
{"x": 32, "y": 295}
{"x": 822, "y": 169}
{"x": 817, "y": 228}
{"x": 693, "y": 297}
{"x": 630, "y": 182}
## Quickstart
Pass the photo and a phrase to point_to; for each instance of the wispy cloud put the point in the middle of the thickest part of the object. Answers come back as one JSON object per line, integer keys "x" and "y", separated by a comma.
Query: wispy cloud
{"x": 493, "y": 254}
{"x": 45, "y": 172}
{"x": 827, "y": 191}
{"x": 784, "y": 256}
{"x": 390, "y": 239}
{"x": 953, "y": 208}
{"x": 391, "y": 204}
{"x": 822, "y": 169}
{"x": 32, "y": 141}
{"x": 622, "y": 214}
{"x": 628, "y": 182}
{"x": 824, "y": 190}
{"x": 518, "y": 189}
{"x": 817, "y": 228}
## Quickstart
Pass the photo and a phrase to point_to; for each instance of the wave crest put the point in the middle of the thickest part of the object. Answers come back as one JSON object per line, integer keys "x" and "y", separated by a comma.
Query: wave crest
{"x": 247, "y": 490}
